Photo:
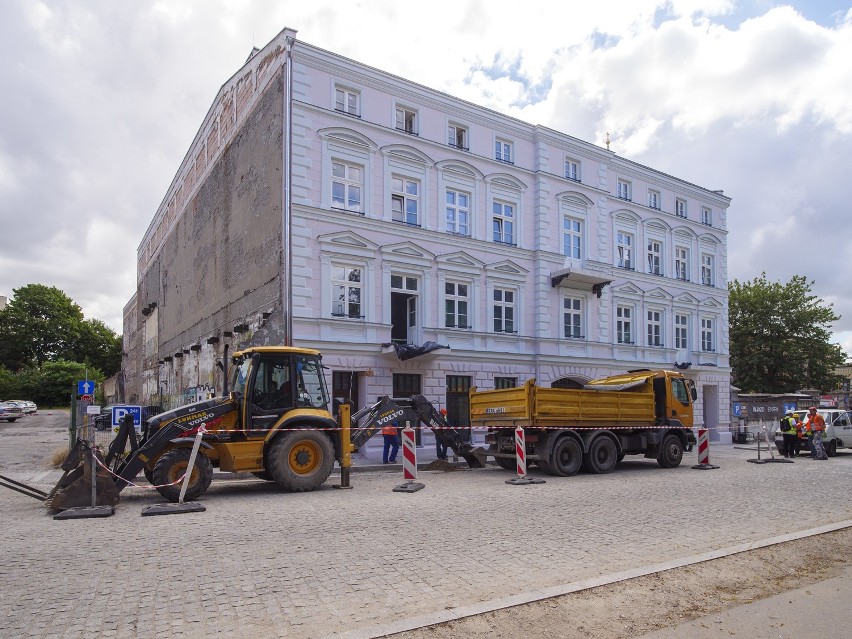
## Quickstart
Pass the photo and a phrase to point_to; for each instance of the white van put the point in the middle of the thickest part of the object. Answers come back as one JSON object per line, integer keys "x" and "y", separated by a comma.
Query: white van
{"x": 838, "y": 430}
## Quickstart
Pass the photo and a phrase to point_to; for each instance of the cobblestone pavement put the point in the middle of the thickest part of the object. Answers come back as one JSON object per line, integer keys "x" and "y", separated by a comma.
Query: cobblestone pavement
{"x": 262, "y": 563}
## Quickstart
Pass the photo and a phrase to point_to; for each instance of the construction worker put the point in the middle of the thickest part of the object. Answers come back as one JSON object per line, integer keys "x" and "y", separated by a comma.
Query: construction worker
{"x": 390, "y": 433}
{"x": 816, "y": 424}
{"x": 788, "y": 429}
{"x": 800, "y": 435}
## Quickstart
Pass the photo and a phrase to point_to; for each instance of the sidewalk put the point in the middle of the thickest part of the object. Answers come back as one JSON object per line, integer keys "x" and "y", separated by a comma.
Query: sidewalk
{"x": 810, "y": 611}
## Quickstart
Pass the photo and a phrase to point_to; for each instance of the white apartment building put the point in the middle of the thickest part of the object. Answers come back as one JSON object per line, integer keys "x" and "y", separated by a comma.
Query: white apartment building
{"x": 417, "y": 218}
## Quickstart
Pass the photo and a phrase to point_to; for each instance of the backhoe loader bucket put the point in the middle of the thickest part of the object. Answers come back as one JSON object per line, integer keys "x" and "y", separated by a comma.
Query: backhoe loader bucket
{"x": 74, "y": 488}
{"x": 475, "y": 457}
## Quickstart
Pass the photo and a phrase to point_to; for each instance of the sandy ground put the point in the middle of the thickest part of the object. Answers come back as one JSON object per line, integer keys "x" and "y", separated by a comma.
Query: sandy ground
{"x": 629, "y": 608}
{"x": 638, "y": 606}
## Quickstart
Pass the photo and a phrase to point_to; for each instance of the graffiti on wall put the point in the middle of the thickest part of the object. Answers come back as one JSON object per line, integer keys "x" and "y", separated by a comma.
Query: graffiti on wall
{"x": 197, "y": 394}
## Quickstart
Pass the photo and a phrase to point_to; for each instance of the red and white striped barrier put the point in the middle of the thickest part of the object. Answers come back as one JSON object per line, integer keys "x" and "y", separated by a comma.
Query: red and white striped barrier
{"x": 704, "y": 451}
{"x": 521, "y": 462}
{"x": 409, "y": 462}
{"x": 521, "y": 452}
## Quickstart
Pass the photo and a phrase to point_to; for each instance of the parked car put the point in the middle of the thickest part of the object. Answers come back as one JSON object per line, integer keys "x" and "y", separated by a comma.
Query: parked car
{"x": 28, "y": 407}
{"x": 838, "y": 429}
{"x": 10, "y": 411}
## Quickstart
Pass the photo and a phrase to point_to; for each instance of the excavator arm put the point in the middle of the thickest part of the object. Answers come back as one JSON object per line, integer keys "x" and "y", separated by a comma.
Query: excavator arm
{"x": 414, "y": 411}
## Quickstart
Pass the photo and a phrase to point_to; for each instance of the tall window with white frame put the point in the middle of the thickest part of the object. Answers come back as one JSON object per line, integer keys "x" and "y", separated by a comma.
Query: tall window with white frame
{"x": 680, "y": 207}
{"x": 572, "y": 238}
{"x": 682, "y": 263}
{"x": 456, "y": 305}
{"x": 572, "y": 169}
{"x": 347, "y": 101}
{"x": 346, "y": 184}
{"x": 706, "y": 216}
{"x": 457, "y": 136}
{"x": 681, "y": 322}
{"x": 655, "y": 327}
{"x": 655, "y": 257}
{"x": 707, "y": 335}
{"x": 624, "y": 324}
{"x": 346, "y": 291}
{"x": 654, "y": 199}
{"x": 405, "y": 200}
{"x": 624, "y": 250}
{"x": 572, "y": 317}
{"x": 503, "y": 222}
{"x": 504, "y": 310}
{"x": 706, "y": 269}
{"x": 503, "y": 151}
{"x": 406, "y": 120}
{"x": 457, "y": 212}
{"x": 625, "y": 190}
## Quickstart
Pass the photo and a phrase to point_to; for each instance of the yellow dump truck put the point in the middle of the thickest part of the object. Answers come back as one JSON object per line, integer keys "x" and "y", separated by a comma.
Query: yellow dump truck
{"x": 641, "y": 412}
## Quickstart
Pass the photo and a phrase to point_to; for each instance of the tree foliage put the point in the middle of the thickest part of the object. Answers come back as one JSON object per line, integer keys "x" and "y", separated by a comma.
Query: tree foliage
{"x": 42, "y": 324}
{"x": 780, "y": 337}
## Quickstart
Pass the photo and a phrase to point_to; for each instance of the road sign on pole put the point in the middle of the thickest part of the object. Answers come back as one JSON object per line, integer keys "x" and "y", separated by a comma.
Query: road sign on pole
{"x": 85, "y": 387}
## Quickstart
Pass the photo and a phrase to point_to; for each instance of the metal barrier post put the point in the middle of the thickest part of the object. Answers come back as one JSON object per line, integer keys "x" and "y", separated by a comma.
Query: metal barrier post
{"x": 344, "y": 417}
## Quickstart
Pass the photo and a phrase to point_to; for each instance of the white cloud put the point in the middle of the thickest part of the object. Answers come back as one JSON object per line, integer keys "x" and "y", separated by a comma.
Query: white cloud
{"x": 109, "y": 94}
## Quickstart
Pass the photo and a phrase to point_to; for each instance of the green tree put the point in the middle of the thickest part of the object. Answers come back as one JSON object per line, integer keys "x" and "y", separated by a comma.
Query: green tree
{"x": 780, "y": 337}
{"x": 99, "y": 346}
{"x": 53, "y": 383}
{"x": 42, "y": 324}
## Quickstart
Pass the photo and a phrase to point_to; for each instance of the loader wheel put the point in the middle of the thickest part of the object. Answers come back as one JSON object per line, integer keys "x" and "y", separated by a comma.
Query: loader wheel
{"x": 172, "y": 466}
{"x": 264, "y": 475}
{"x": 671, "y": 452}
{"x": 565, "y": 459}
{"x": 602, "y": 456}
{"x": 149, "y": 475}
{"x": 300, "y": 460}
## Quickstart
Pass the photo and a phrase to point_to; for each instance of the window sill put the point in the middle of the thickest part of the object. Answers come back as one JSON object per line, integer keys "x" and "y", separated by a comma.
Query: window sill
{"x": 506, "y": 332}
{"x": 344, "y": 316}
{"x": 338, "y": 208}
{"x": 625, "y": 268}
{"x": 573, "y": 179}
{"x": 456, "y": 146}
{"x": 458, "y": 234}
{"x": 505, "y": 161}
{"x": 351, "y": 115}
{"x": 501, "y": 242}
{"x": 414, "y": 133}
{"x": 575, "y": 337}
{"x": 404, "y": 223}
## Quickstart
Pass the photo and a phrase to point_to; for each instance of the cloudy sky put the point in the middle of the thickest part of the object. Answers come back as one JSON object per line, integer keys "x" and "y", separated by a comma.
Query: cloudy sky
{"x": 102, "y": 98}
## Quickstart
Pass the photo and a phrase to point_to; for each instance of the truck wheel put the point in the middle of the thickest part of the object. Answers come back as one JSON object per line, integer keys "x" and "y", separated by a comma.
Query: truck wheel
{"x": 300, "y": 460}
{"x": 172, "y": 466}
{"x": 565, "y": 458}
{"x": 602, "y": 456}
{"x": 671, "y": 452}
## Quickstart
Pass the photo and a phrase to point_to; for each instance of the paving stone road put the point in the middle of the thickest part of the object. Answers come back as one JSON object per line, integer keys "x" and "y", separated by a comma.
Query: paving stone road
{"x": 262, "y": 563}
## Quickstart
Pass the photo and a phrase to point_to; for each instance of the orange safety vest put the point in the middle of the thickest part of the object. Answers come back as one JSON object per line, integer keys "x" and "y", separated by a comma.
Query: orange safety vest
{"x": 390, "y": 429}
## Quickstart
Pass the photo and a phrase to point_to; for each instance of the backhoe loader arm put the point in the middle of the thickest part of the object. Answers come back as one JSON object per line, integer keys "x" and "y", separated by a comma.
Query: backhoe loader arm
{"x": 446, "y": 434}
{"x": 368, "y": 421}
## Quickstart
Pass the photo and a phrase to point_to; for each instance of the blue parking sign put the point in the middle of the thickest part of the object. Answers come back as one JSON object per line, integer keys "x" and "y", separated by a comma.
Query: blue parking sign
{"x": 118, "y": 413}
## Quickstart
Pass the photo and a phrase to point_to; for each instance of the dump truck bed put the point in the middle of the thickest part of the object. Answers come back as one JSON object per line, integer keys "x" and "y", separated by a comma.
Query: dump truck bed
{"x": 532, "y": 406}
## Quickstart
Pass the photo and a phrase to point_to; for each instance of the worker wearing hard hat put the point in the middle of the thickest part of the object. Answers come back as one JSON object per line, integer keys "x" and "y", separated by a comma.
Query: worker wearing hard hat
{"x": 788, "y": 430}
{"x": 815, "y": 424}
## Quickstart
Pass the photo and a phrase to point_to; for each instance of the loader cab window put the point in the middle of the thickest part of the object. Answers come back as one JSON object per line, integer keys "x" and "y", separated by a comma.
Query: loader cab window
{"x": 239, "y": 377}
{"x": 311, "y": 391}
{"x": 273, "y": 385}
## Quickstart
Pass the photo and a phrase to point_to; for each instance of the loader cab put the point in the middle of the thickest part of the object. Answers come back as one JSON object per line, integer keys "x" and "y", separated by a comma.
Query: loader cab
{"x": 268, "y": 382}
